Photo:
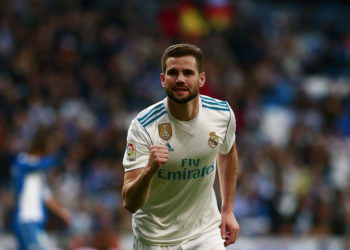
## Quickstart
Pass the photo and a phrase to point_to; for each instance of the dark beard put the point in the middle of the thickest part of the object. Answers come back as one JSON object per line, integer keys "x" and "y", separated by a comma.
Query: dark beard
{"x": 181, "y": 101}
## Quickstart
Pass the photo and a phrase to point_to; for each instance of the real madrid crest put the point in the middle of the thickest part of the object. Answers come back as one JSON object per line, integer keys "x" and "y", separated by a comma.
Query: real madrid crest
{"x": 164, "y": 130}
{"x": 213, "y": 140}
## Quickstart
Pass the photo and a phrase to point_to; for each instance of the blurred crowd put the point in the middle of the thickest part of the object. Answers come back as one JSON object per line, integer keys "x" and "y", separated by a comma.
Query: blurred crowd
{"x": 87, "y": 67}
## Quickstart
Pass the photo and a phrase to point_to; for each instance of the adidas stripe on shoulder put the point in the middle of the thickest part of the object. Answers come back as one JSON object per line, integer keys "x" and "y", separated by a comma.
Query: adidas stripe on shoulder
{"x": 152, "y": 114}
{"x": 215, "y": 104}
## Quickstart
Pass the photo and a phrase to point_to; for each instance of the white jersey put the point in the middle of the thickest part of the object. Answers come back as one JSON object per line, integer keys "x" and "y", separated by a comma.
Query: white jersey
{"x": 182, "y": 203}
{"x": 31, "y": 187}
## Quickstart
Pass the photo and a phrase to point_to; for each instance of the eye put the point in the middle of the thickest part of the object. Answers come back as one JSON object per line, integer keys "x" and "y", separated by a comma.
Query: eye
{"x": 172, "y": 72}
{"x": 188, "y": 72}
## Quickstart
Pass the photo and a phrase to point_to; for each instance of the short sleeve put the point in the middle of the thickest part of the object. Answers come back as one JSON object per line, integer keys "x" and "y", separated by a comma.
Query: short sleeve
{"x": 137, "y": 148}
{"x": 230, "y": 136}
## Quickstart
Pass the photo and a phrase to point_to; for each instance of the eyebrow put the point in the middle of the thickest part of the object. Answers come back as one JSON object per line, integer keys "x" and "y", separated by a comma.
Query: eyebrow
{"x": 175, "y": 71}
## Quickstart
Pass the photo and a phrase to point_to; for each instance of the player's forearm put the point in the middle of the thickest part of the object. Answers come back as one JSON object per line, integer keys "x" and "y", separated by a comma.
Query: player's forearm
{"x": 58, "y": 209}
{"x": 228, "y": 171}
{"x": 228, "y": 188}
{"x": 53, "y": 205}
{"x": 135, "y": 192}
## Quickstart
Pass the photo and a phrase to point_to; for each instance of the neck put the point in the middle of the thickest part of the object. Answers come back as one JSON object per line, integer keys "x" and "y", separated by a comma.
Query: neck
{"x": 185, "y": 111}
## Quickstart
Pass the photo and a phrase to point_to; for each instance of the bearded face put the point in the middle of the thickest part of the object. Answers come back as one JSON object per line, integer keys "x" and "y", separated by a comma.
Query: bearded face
{"x": 185, "y": 96}
{"x": 182, "y": 79}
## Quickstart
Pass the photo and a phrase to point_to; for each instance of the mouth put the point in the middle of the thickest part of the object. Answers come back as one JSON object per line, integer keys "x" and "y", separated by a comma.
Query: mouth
{"x": 180, "y": 89}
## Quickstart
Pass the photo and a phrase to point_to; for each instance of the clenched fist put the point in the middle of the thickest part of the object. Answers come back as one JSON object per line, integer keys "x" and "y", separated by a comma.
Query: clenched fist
{"x": 158, "y": 156}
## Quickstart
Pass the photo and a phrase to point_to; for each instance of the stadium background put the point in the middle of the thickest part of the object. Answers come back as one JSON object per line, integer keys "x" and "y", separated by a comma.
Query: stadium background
{"x": 87, "y": 67}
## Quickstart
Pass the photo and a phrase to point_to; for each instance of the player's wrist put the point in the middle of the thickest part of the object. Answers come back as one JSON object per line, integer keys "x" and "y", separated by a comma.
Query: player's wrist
{"x": 149, "y": 171}
{"x": 226, "y": 209}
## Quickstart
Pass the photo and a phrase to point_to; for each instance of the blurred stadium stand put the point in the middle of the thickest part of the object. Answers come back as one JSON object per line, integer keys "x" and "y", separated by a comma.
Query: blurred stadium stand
{"x": 87, "y": 67}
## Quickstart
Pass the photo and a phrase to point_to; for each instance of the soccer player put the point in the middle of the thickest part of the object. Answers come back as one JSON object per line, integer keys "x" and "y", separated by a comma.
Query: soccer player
{"x": 173, "y": 149}
{"x": 33, "y": 194}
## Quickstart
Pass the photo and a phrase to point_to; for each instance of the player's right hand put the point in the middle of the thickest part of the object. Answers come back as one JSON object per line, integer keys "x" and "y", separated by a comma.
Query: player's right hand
{"x": 158, "y": 156}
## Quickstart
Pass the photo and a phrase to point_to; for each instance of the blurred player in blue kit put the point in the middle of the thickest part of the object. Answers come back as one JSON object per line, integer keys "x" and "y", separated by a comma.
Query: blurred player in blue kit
{"x": 33, "y": 194}
{"x": 173, "y": 150}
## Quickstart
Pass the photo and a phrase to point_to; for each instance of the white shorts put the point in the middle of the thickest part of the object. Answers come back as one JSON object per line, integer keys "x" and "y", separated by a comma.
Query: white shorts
{"x": 209, "y": 241}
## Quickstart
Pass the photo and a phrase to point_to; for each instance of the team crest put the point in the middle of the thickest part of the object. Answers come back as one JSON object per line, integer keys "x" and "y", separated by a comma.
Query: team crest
{"x": 165, "y": 131}
{"x": 213, "y": 140}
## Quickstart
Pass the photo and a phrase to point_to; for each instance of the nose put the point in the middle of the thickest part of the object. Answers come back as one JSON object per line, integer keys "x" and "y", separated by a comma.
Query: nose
{"x": 180, "y": 78}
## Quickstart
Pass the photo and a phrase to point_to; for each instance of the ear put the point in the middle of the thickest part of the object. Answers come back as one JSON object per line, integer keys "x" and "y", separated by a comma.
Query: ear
{"x": 202, "y": 78}
{"x": 162, "y": 79}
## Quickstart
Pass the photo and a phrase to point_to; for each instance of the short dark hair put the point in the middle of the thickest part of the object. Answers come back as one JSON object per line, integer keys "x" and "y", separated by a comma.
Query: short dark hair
{"x": 183, "y": 49}
{"x": 40, "y": 139}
